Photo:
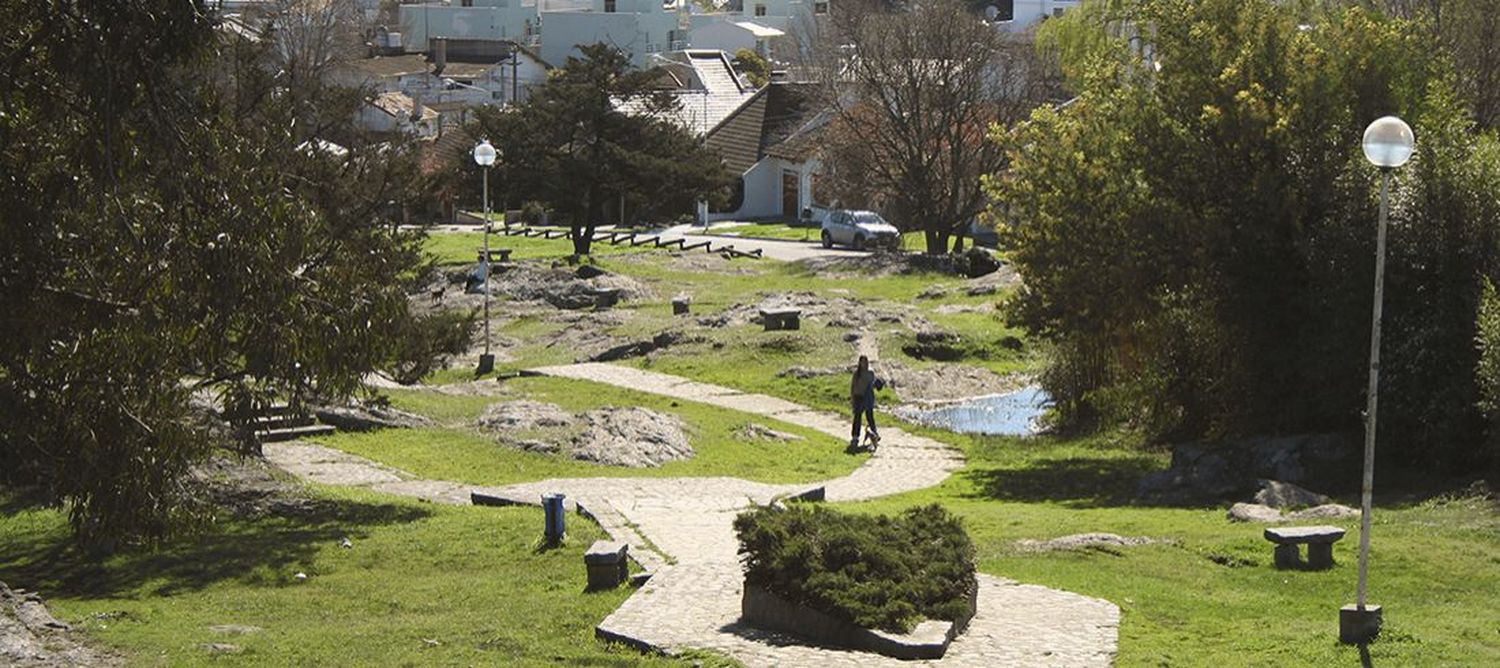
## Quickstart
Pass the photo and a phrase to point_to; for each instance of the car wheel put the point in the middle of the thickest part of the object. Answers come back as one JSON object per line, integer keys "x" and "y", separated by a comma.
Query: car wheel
{"x": 827, "y": 239}
{"x": 859, "y": 242}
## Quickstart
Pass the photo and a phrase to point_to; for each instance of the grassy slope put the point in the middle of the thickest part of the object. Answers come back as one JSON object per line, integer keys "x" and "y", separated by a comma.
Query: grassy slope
{"x": 469, "y": 580}
{"x": 1434, "y": 565}
{"x": 456, "y": 451}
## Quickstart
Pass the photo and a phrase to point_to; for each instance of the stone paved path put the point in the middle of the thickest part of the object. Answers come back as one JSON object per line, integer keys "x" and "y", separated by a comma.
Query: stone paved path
{"x": 679, "y": 529}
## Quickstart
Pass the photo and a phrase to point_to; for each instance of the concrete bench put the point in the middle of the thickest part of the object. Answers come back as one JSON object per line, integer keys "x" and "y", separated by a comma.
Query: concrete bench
{"x": 496, "y": 255}
{"x": 1319, "y": 541}
{"x": 781, "y": 318}
{"x": 681, "y": 305}
{"x": 606, "y": 564}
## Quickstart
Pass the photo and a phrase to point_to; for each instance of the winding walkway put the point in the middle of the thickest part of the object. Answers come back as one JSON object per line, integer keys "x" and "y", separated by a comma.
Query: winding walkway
{"x": 679, "y": 530}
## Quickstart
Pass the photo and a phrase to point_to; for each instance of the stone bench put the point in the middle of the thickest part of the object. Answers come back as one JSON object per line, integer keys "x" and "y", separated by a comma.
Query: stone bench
{"x": 781, "y": 318}
{"x": 607, "y": 565}
{"x": 680, "y": 305}
{"x": 1319, "y": 541}
{"x": 496, "y": 255}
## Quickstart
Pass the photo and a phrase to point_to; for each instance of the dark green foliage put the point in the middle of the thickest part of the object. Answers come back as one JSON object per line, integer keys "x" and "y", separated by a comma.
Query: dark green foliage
{"x": 166, "y": 231}
{"x": 573, "y": 147}
{"x": 424, "y": 344}
{"x": 753, "y": 66}
{"x": 874, "y": 570}
{"x": 1198, "y": 241}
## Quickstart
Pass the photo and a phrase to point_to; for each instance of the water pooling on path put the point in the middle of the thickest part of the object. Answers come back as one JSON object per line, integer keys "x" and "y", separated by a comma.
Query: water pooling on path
{"x": 1013, "y": 414}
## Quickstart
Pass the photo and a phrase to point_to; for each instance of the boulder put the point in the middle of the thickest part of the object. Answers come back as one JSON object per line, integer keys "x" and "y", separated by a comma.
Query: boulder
{"x": 1254, "y": 512}
{"x": 369, "y": 417}
{"x": 978, "y": 262}
{"x": 635, "y": 437}
{"x": 1206, "y": 472}
{"x": 588, "y": 271}
{"x": 1277, "y": 494}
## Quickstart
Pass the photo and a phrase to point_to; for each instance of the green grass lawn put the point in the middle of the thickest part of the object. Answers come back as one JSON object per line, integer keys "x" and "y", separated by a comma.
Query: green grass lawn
{"x": 424, "y": 585}
{"x": 1209, "y": 594}
{"x": 455, "y": 248}
{"x": 458, "y": 451}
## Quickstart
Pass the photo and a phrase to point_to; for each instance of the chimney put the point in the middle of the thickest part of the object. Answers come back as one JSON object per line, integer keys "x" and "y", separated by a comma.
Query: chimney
{"x": 439, "y": 55}
{"x": 416, "y": 106}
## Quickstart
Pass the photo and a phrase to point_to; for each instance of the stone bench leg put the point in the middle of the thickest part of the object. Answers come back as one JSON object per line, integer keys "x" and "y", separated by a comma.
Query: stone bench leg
{"x": 1288, "y": 556}
{"x": 1319, "y": 556}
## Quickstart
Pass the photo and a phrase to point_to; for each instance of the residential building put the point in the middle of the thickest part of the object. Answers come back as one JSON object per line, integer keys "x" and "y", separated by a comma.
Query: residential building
{"x": 707, "y": 87}
{"x": 783, "y": 15}
{"x": 772, "y": 144}
{"x": 1019, "y": 15}
{"x": 476, "y": 20}
{"x": 639, "y": 28}
{"x": 731, "y": 36}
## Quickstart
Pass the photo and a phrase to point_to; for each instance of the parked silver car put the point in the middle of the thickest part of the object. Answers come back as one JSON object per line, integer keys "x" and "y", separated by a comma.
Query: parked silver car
{"x": 859, "y": 229}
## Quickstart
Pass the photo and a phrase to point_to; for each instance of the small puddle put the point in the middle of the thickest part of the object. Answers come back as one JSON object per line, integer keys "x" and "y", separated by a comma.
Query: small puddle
{"x": 1014, "y": 414}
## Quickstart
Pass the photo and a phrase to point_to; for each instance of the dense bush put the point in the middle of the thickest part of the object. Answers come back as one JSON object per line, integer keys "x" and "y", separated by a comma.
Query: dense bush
{"x": 1196, "y": 235}
{"x": 876, "y": 571}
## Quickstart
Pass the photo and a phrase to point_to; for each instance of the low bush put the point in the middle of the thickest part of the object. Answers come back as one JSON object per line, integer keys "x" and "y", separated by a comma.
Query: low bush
{"x": 879, "y": 572}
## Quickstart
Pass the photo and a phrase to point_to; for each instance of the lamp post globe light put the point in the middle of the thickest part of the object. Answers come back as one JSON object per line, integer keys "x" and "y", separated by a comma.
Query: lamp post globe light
{"x": 484, "y": 156}
{"x": 1388, "y": 144}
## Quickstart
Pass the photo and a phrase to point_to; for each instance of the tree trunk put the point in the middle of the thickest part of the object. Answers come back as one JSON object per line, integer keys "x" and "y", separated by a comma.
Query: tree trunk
{"x": 958, "y": 243}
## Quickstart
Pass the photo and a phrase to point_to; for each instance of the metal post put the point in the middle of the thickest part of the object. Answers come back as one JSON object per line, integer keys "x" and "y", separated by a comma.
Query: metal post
{"x": 487, "y": 360}
{"x": 1368, "y": 485}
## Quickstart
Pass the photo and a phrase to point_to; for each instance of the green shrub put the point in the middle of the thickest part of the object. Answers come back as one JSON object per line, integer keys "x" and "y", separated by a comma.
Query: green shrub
{"x": 876, "y": 571}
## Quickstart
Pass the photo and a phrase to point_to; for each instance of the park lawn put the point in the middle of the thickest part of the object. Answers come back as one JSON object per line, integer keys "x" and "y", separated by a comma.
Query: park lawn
{"x": 459, "y": 452}
{"x": 424, "y": 584}
{"x": 460, "y": 248}
{"x": 1209, "y": 594}
{"x": 769, "y": 231}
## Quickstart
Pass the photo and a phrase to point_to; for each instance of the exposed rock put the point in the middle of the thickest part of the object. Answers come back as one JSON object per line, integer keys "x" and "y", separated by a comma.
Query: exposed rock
{"x": 221, "y": 648}
{"x": 635, "y": 437}
{"x": 978, "y": 262}
{"x": 640, "y": 348}
{"x": 1277, "y": 494}
{"x": 980, "y": 290}
{"x": 368, "y": 417}
{"x": 31, "y": 636}
{"x": 804, "y": 373}
{"x": 1254, "y": 512}
{"x": 933, "y": 292}
{"x": 524, "y": 414}
{"x": 760, "y": 432}
{"x": 1082, "y": 541}
{"x": 1203, "y": 472}
{"x": 588, "y": 271}
{"x": 935, "y": 344}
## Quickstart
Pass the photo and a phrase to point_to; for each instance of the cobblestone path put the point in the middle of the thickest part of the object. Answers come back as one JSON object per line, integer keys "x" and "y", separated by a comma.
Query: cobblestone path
{"x": 679, "y": 529}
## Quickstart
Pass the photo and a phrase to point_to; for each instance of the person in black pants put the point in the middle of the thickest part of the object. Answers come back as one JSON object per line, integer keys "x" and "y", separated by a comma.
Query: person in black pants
{"x": 862, "y": 396}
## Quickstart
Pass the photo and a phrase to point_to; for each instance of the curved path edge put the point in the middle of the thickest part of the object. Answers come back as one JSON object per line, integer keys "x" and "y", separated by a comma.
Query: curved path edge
{"x": 680, "y": 531}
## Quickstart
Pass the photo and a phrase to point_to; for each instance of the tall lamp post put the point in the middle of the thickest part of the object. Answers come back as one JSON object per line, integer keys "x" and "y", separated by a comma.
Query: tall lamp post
{"x": 484, "y": 155}
{"x": 1388, "y": 144}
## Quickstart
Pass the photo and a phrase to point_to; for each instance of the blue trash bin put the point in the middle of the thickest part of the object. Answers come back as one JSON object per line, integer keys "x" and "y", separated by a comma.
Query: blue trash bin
{"x": 556, "y": 527}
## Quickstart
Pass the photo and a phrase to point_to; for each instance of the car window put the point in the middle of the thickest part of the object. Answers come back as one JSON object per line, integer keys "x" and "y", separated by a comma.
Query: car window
{"x": 868, "y": 217}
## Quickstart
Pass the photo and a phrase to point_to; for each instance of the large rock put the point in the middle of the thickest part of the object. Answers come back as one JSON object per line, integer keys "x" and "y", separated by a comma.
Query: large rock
{"x": 1254, "y": 512}
{"x": 1205, "y": 472}
{"x": 369, "y": 417}
{"x": 522, "y": 415}
{"x": 1277, "y": 494}
{"x": 635, "y": 437}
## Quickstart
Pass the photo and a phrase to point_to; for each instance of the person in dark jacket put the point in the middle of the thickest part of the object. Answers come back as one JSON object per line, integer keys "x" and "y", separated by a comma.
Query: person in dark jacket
{"x": 862, "y": 396}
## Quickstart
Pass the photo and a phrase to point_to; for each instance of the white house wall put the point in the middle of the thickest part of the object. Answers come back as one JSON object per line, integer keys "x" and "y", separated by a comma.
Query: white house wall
{"x": 420, "y": 23}
{"x": 638, "y": 35}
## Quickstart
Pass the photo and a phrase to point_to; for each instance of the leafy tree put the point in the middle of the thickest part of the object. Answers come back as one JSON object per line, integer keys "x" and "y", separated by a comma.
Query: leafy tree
{"x": 168, "y": 231}
{"x": 753, "y": 66}
{"x": 914, "y": 99}
{"x": 596, "y": 135}
{"x": 1198, "y": 240}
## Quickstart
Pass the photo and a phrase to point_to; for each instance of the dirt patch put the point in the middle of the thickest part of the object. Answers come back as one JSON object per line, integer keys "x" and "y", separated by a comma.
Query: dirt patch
{"x": 31, "y": 636}
{"x": 247, "y": 487}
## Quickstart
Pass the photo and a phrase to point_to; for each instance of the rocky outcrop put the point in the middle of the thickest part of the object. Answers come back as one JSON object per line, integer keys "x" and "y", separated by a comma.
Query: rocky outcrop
{"x": 31, "y": 636}
{"x": 635, "y": 437}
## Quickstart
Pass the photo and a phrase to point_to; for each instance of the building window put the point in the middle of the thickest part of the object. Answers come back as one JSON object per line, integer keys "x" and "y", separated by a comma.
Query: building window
{"x": 609, "y": 6}
{"x": 1057, "y": 12}
{"x": 820, "y": 7}
{"x": 468, "y": 3}
{"x": 760, "y": 10}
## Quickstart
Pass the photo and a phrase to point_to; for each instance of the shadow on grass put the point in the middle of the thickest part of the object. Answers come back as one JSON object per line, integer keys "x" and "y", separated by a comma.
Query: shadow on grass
{"x": 1076, "y": 482}
{"x": 264, "y": 551}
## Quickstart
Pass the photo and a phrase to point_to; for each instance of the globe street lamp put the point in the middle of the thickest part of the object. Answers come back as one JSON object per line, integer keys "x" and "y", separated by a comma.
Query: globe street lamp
{"x": 484, "y": 155}
{"x": 1388, "y": 144}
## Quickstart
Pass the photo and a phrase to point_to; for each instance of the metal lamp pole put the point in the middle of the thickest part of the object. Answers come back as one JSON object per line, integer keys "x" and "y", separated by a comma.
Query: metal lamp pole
{"x": 1387, "y": 144}
{"x": 484, "y": 155}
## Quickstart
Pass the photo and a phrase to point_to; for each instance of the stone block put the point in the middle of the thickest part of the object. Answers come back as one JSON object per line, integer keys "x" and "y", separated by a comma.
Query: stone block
{"x": 607, "y": 564}
{"x": 1356, "y": 626}
{"x": 680, "y": 306}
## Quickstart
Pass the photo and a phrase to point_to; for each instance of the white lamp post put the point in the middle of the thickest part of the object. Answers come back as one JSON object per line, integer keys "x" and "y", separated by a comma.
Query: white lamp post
{"x": 484, "y": 155}
{"x": 1388, "y": 144}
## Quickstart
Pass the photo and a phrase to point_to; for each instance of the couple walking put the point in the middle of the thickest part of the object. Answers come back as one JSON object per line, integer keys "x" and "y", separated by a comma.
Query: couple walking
{"x": 862, "y": 395}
